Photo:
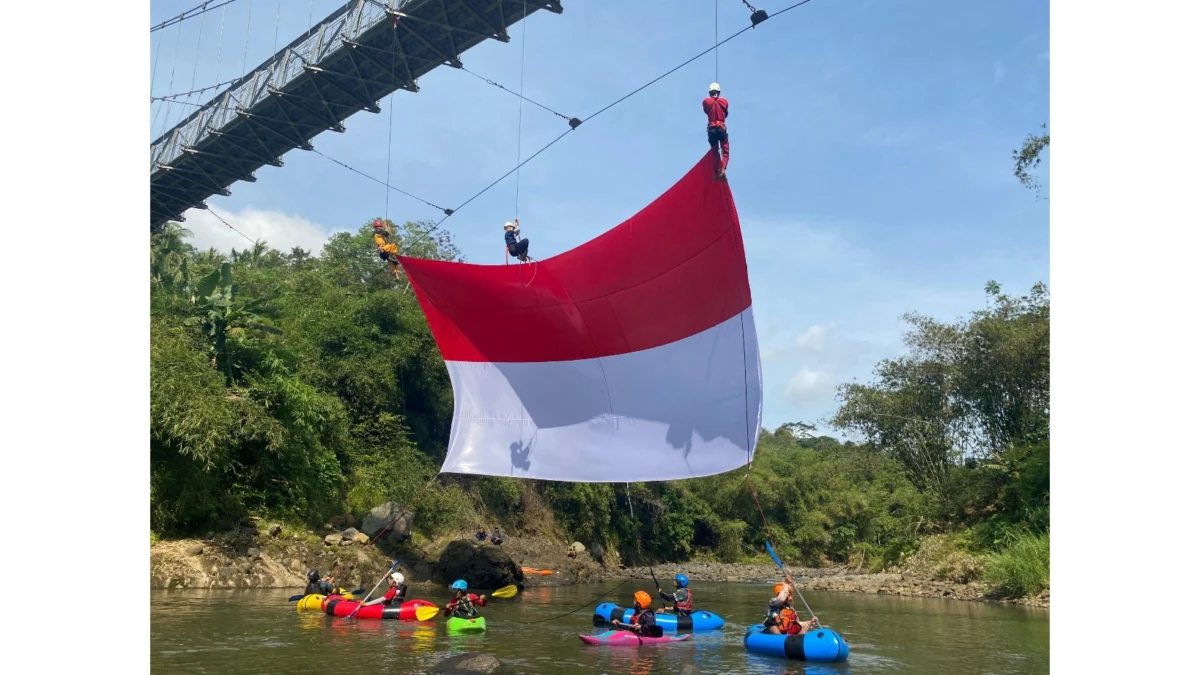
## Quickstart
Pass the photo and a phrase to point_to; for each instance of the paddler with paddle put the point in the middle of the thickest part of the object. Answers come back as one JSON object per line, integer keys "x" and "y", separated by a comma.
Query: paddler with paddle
{"x": 463, "y": 604}
{"x": 781, "y": 613}
{"x": 643, "y": 617}
{"x": 395, "y": 594}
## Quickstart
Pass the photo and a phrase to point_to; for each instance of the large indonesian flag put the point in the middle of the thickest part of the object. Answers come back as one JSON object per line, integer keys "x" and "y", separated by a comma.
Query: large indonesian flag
{"x": 630, "y": 358}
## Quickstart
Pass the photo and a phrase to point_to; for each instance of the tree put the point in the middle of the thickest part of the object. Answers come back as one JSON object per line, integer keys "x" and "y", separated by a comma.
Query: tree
{"x": 1029, "y": 156}
{"x": 222, "y": 318}
{"x": 169, "y": 257}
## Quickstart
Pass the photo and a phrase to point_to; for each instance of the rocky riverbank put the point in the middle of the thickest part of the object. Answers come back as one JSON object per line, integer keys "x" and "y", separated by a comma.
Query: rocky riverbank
{"x": 263, "y": 555}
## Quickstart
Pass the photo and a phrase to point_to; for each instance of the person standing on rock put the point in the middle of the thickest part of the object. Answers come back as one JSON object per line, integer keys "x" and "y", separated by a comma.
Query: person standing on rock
{"x": 681, "y": 598}
{"x": 396, "y": 592}
{"x": 463, "y": 604}
{"x": 781, "y": 613}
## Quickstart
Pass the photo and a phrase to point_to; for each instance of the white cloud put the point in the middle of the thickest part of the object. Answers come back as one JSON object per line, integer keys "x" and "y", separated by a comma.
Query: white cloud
{"x": 808, "y": 387}
{"x": 814, "y": 338}
{"x": 280, "y": 230}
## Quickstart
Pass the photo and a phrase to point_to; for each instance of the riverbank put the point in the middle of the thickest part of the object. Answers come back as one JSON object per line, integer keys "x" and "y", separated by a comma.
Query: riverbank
{"x": 261, "y": 555}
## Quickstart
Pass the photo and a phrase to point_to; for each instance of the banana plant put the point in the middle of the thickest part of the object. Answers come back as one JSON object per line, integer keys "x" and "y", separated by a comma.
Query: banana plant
{"x": 222, "y": 318}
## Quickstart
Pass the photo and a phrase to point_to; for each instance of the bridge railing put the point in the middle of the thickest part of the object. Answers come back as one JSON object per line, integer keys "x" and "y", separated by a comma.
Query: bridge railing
{"x": 322, "y": 40}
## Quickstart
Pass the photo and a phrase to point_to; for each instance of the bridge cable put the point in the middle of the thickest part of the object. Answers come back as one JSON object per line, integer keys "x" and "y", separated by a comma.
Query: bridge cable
{"x": 599, "y": 112}
{"x": 171, "y": 83}
{"x": 196, "y": 62}
{"x": 218, "y": 217}
{"x": 184, "y": 16}
{"x": 167, "y": 97}
{"x": 370, "y": 177}
{"x": 246, "y": 51}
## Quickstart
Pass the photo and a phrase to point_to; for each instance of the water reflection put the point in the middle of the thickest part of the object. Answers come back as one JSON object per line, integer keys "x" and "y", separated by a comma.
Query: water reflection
{"x": 258, "y": 632}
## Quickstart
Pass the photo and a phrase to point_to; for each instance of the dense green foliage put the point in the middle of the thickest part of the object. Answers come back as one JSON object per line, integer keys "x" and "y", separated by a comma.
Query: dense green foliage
{"x": 302, "y": 386}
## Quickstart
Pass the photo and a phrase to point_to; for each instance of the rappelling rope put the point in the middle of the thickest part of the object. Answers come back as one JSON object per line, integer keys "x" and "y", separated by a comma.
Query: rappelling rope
{"x": 521, "y": 107}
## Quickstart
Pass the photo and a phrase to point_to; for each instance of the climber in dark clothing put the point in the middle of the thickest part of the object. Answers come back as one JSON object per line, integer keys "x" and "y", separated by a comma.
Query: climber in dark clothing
{"x": 517, "y": 248}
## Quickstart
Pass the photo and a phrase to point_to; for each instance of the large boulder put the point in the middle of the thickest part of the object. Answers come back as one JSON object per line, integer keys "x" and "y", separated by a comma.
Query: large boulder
{"x": 473, "y": 663}
{"x": 482, "y": 566}
{"x": 383, "y": 515}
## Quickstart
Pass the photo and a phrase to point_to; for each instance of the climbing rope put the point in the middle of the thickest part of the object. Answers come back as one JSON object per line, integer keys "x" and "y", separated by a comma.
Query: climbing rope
{"x": 716, "y": 42}
{"x": 521, "y": 107}
{"x": 387, "y": 193}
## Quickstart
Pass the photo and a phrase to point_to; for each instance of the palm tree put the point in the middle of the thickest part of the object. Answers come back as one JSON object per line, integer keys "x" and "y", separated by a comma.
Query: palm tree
{"x": 169, "y": 255}
{"x": 223, "y": 319}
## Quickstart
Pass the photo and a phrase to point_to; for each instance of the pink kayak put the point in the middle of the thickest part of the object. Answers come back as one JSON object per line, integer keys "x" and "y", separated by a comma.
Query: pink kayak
{"x": 624, "y": 638}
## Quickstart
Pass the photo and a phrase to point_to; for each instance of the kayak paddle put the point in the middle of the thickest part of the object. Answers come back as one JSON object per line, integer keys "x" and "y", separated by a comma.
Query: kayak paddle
{"x": 775, "y": 557}
{"x": 427, "y": 613}
{"x": 385, "y": 576}
{"x": 357, "y": 591}
{"x": 506, "y": 592}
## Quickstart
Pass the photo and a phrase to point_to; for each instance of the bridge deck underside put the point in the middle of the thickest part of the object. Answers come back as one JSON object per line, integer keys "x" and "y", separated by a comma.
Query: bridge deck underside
{"x": 347, "y": 63}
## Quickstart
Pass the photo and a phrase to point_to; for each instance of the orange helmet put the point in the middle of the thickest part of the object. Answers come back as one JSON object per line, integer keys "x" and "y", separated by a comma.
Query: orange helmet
{"x": 641, "y": 600}
{"x": 778, "y": 587}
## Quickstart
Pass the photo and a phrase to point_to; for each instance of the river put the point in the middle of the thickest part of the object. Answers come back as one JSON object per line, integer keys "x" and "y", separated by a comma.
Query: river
{"x": 258, "y": 631}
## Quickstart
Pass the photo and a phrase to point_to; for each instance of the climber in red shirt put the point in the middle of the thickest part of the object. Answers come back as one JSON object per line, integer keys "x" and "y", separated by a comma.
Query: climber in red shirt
{"x": 717, "y": 109}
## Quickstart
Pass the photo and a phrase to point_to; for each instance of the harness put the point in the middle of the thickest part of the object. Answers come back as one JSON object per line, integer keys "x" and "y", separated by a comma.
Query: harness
{"x": 684, "y": 606}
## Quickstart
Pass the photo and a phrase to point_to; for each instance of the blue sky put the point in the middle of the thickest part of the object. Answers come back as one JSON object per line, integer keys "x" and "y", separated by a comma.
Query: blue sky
{"x": 870, "y": 153}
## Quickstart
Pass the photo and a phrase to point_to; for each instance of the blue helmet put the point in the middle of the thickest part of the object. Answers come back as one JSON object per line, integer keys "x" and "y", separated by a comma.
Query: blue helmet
{"x": 459, "y": 585}
{"x": 681, "y": 579}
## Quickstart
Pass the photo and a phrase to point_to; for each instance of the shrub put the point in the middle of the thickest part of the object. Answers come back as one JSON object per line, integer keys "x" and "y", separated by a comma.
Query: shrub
{"x": 1022, "y": 568}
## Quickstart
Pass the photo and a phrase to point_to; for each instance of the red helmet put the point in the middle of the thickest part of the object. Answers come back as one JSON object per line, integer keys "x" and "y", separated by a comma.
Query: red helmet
{"x": 377, "y": 224}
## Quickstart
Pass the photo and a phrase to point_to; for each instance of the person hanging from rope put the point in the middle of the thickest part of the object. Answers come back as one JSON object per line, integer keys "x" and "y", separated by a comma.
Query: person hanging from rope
{"x": 717, "y": 109}
{"x": 681, "y": 599}
{"x": 463, "y": 604}
{"x": 396, "y": 592}
{"x": 643, "y": 617}
{"x": 781, "y": 613}
{"x": 388, "y": 251}
{"x": 517, "y": 248}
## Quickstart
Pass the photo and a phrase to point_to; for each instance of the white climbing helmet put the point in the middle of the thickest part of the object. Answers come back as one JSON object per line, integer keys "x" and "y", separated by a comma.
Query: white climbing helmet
{"x": 714, "y": 87}
{"x": 398, "y": 578}
{"x": 508, "y": 225}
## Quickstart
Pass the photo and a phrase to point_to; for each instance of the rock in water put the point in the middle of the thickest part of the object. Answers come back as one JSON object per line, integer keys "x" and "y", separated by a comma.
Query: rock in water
{"x": 381, "y": 516}
{"x": 482, "y": 566}
{"x": 473, "y": 663}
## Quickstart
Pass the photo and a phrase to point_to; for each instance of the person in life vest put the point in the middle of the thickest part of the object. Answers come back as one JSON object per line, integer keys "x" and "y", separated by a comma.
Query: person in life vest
{"x": 517, "y": 248}
{"x": 317, "y": 585}
{"x": 388, "y": 251}
{"x": 643, "y": 617}
{"x": 681, "y": 598}
{"x": 717, "y": 109}
{"x": 463, "y": 604}
{"x": 396, "y": 591}
{"x": 781, "y": 613}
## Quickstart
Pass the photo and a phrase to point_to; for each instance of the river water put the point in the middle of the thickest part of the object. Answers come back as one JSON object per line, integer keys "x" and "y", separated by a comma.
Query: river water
{"x": 258, "y": 631}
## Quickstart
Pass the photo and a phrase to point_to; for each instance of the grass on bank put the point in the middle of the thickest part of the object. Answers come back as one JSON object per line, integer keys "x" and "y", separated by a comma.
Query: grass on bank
{"x": 1021, "y": 568}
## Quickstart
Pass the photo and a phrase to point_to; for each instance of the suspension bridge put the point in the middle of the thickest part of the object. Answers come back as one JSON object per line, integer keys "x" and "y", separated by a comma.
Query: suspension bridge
{"x": 345, "y": 63}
